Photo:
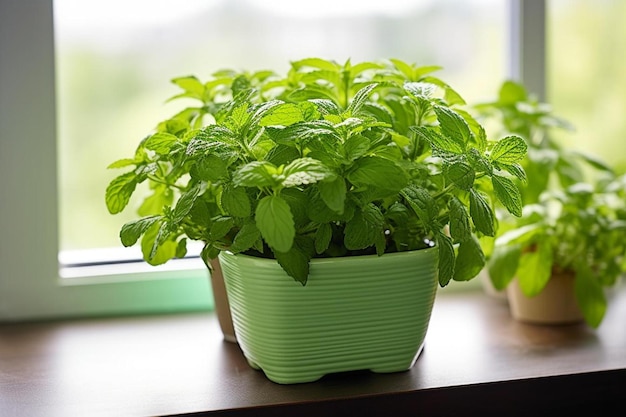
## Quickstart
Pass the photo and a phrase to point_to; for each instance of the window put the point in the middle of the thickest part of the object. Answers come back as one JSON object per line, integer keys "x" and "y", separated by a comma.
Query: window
{"x": 466, "y": 38}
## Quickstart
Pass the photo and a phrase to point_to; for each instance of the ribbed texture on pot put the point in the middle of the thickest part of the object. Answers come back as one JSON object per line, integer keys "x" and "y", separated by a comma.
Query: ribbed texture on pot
{"x": 354, "y": 313}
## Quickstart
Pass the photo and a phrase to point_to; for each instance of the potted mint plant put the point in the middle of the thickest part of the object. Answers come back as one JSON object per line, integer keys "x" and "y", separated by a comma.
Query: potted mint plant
{"x": 336, "y": 199}
{"x": 558, "y": 259}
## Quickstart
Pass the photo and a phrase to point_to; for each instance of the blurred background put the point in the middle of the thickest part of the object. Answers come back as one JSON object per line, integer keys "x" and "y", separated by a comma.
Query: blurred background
{"x": 115, "y": 60}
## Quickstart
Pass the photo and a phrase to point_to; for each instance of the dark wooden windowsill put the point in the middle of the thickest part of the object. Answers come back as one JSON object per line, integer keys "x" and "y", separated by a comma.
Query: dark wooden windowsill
{"x": 476, "y": 360}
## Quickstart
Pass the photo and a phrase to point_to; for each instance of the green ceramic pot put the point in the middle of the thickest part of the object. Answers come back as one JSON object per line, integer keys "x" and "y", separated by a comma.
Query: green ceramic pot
{"x": 355, "y": 313}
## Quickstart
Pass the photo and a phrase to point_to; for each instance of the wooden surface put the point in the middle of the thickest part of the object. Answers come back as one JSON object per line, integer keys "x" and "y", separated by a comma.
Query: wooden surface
{"x": 476, "y": 359}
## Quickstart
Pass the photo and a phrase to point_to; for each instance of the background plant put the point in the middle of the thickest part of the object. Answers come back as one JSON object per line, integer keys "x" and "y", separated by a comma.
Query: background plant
{"x": 329, "y": 160}
{"x": 573, "y": 221}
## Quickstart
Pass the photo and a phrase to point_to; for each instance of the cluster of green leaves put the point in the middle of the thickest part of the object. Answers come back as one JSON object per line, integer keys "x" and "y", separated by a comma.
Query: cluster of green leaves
{"x": 329, "y": 160}
{"x": 548, "y": 163}
{"x": 570, "y": 223}
{"x": 580, "y": 230}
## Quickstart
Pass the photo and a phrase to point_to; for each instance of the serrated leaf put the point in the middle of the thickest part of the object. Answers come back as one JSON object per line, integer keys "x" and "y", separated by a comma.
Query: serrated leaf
{"x": 460, "y": 228}
{"x": 275, "y": 221}
{"x": 245, "y": 238}
{"x": 481, "y": 213}
{"x": 255, "y": 174}
{"x": 508, "y": 194}
{"x": 155, "y": 246}
{"x": 184, "y": 204}
{"x": 119, "y": 191}
{"x": 470, "y": 260}
{"x": 305, "y": 171}
{"x": 334, "y": 194}
{"x": 535, "y": 268}
{"x": 360, "y": 98}
{"x": 283, "y": 115}
{"x": 295, "y": 262}
{"x": 379, "y": 172}
{"x": 363, "y": 229}
{"x": 422, "y": 203}
{"x": 160, "y": 142}
{"x": 516, "y": 170}
{"x": 131, "y": 231}
{"x": 210, "y": 168}
{"x": 220, "y": 227}
{"x": 503, "y": 265}
{"x": 509, "y": 150}
{"x": 323, "y": 236}
{"x": 235, "y": 202}
{"x": 355, "y": 147}
{"x": 439, "y": 143}
{"x": 453, "y": 126}
{"x": 460, "y": 174}
{"x": 446, "y": 258}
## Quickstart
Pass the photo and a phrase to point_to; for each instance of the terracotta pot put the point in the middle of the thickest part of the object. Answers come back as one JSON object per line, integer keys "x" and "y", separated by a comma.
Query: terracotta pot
{"x": 555, "y": 304}
{"x": 222, "y": 307}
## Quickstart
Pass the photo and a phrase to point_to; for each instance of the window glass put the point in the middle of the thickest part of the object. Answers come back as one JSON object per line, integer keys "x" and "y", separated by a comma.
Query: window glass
{"x": 115, "y": 59}
{"x": 586, "y": 80}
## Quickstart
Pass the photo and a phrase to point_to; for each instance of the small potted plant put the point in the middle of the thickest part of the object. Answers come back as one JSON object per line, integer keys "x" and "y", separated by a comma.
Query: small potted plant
{"x": 335, "y": 198}
{"x": 556, "y": 260}
{"x": 564, "y": 253}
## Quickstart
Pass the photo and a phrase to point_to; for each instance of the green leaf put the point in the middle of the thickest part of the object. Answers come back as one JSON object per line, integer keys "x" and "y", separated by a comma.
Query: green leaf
{"x": 453, "y": 126}
{"x": 210, "y": 168}
{"x": 379, "y": 172}
{"x": 481, "y": 213}
{"x": 460, "y": 174}
{"x": 274, "y": 220}
{"x": 181, "y": 248}
{"x": 283, "y": 115}
{"x": 470, "y": 260}
{"x": 360, "y": 98}
{"x": 295, "y": 262}
{"x": 334, "y": 194}
{"x": 355, "y": 147}
{"x": 119, "y": 191}
{"x": 509, "y": 150}
{"x": 422, "y": 203}
{"x": 221, "y": 226}
{"x": 589, "y": 295}
{"x": 155, "y": 246}
{"x": 503, "y": 265}
{"x": 131, "y": 231}
{"x": 245, "y": 238}
{"x": 191, "y": 85}
{"x": 511, "y": 93}
{"x": 316, "y": 63}
{"x": 508, "y": 194}
{"x": 161, "y": 143}
{"x": 323, "y": 235}
{"x": 255, "y": 174}
{"x": 446, "y": 258}
{"x": 305, "y": 171}
{"x": 535, "y": 268}
{"x": 363, "y": 229}
{"x": 460, "y": 228}
{"x": 235, "y": 201}
{"x": 438, "y": 142}
{"x": 184, "y": 204}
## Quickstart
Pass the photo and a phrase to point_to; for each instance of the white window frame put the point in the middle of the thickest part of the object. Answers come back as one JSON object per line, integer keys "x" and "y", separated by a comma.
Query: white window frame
{"x": 30, "y": 286}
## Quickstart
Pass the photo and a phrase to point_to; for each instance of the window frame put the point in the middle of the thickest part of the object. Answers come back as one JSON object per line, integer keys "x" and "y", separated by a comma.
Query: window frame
{"x": 30, "y": 285}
